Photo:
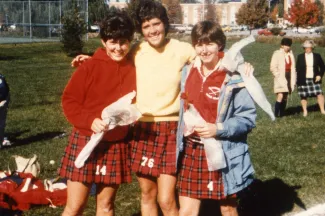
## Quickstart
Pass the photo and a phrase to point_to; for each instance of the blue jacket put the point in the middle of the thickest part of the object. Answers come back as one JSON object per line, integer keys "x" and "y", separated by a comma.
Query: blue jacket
{"x": 236, "y": 118}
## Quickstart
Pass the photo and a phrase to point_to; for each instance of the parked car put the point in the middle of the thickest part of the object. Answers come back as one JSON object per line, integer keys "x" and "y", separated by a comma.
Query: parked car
{"x": 311, "y": 30}
{"x": 268, "y": 32}
{"x": 226, "y": 28}
{"x": 300, "y": 30}
{"x": 178, "y": 28}
{"x": 244, "y": 28}
{"x": 94, "y": 28}
{"x": 238, "y": 28}
{"x": 270, "y": 25}
{"x": 265, "y": 32}
{"x": 320, "y": 29}
{"x": 13, "y": 27}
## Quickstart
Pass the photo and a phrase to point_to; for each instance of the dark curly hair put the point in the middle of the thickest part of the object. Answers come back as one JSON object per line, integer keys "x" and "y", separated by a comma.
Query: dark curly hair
{"x": 208, "y": 31}
{"x": 116, "y": 25}
{"x": 145, "y": 10}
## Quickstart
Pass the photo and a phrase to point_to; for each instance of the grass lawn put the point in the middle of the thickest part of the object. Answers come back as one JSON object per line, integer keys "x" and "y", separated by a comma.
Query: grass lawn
{"x": 287, "y": 154}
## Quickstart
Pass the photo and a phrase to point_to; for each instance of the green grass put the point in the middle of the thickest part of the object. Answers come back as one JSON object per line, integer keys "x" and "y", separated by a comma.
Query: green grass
{"x": 291, "y": 148}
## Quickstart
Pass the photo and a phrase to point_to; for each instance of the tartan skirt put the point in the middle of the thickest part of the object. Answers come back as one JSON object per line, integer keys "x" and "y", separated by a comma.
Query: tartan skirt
{"x": 107, "y": 164}
{"x": 195, "y": 180}
{"x": 153, "y": 148}
{"x": 311, "y": 89}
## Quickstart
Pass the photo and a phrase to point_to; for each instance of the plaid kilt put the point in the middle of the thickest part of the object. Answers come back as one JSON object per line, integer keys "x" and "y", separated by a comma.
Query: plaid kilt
{"x": 310, "y": 89}
{"x": 154, "y": 148}
{"x": 195, "y": 180}
{"x": 107, "y": 164}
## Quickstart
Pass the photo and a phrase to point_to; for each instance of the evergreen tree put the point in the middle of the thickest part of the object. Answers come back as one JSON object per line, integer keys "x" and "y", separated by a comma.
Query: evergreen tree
{"x": 97, "y": 10}
{"x": 73, "y": 30}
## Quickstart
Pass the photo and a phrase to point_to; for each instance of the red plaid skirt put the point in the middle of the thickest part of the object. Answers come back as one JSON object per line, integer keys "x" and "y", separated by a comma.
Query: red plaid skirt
{"x": 154, "y": 148}
{"x": 107, "y": 164}
{"x": 195, "y": 180}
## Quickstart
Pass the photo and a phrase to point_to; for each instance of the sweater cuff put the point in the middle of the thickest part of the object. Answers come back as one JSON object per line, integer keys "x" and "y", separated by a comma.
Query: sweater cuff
{"x": 220, "y": 129}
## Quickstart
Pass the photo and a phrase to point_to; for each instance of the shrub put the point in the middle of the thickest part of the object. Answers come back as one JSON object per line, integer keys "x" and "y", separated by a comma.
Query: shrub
{"x": 275, "y": 30}
{"x": 73, "y": 29}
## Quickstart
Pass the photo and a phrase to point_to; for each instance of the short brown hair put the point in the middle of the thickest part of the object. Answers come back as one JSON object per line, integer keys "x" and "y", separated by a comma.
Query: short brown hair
{"x": 145, "y": 10}
{"x": 208, "y": 31}
{"x": 116, "y": 25}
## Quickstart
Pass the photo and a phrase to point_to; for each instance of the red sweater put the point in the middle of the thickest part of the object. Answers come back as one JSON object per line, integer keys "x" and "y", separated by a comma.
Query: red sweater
{"x": 203, "y": 92}
{"x": 96, "y": 84}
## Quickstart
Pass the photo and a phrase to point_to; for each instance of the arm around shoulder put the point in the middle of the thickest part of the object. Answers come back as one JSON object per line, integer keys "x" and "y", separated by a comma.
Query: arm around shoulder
{"x": 188, "y": 52}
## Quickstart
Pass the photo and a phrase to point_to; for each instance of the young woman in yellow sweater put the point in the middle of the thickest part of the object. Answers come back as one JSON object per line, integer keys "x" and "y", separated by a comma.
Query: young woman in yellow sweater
{"x": 158, "y": 62}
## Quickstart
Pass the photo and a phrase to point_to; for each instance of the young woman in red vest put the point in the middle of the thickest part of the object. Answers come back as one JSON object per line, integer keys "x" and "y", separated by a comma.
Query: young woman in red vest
{"x": 229, "y": 112}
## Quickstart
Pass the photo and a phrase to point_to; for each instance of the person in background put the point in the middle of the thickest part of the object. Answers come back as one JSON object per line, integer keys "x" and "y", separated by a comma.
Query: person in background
{"x": 229, "y": 112}
{"x": 283, "y": 68}
{"x": 4, "y": 103}
{"x": 99, "y": 82}
{"x": 310, "y": 70}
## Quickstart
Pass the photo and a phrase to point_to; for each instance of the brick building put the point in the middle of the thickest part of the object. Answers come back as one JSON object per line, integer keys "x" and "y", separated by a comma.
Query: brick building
{"x": 193, "y": 13}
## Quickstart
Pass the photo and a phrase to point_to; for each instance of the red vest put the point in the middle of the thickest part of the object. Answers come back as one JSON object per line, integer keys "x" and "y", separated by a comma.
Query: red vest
{"x": 288, "y": 64}
{"x": 203, "y": 92}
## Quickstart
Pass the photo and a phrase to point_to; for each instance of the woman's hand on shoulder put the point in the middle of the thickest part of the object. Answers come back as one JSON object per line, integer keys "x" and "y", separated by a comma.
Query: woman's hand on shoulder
{"x": 206, "y": 131}
{"x": 318, "y": 78}
{"x": 249, "y": 69}
{"x": 79, "y": 59}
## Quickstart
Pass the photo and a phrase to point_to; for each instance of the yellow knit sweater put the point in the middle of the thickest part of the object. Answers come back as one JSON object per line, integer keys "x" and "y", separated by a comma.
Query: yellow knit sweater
{"x": 158, "y": 73}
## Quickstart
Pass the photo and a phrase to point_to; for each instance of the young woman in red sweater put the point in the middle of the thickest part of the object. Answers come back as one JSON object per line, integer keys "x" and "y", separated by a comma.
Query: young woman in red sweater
{"x": 97, "y": 83}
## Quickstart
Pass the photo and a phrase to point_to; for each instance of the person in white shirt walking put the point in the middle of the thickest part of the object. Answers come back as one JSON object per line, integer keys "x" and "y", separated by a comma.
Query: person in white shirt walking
{"x": 310, "y": 70}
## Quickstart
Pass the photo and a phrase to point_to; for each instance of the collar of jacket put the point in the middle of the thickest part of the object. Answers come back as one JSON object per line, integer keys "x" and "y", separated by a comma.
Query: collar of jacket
{"x": 234, "y": 78}
{"x": 234, "y": 82}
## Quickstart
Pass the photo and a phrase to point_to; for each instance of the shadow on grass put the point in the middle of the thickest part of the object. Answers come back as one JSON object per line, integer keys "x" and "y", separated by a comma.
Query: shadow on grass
{"x": 262, "y": 198}
{"x": 269, "y": 198}
{"x": 35, "y": 138}
{"x": 10, "y": 58}
{"x": 41, "y": 103}
{"x": 7, "y": 212}
{"x": 83, "y": 53}
{"x": 298, "y": 110}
